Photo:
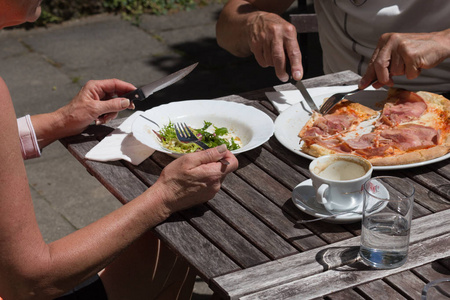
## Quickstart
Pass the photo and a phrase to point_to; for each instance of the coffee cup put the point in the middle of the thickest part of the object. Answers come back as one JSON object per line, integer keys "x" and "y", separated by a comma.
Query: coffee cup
{"x": 338, "y": 180}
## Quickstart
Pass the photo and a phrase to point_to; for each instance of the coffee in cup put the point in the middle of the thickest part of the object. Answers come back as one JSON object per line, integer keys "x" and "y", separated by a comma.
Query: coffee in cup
{"x": 339, "y": 180}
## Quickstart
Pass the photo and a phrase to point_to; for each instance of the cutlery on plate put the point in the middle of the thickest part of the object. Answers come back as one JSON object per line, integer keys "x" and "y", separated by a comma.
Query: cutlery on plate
{"x": 336, "y": 98}
{"x": 144, "y": 91}
{"x": 185, "y": 135}
{"x": 301, "y": 87}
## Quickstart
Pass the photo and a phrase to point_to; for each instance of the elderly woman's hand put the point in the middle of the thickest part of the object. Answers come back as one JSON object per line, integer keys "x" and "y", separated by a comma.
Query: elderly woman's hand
{"x": 87, "y": 106}
{"x": 192, "y": 179}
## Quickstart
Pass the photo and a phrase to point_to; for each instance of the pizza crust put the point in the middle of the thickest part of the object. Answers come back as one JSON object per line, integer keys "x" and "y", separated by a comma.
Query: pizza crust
{"x": 318, "y": 150}
{"x": 416, "y": 156}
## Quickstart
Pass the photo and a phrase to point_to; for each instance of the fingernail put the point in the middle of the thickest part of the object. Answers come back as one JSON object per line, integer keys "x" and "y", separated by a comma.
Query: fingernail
{"x": 297, "y": 75}
{"x": 125, "y": 103}
{"x": 222, "y": 148}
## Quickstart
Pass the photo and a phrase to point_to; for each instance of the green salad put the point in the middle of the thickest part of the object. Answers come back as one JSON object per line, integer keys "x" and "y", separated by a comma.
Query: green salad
{"x": 209, "y": 134}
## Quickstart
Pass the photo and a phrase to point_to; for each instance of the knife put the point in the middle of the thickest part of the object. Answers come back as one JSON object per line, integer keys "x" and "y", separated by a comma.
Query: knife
{"x": 301, "y": 87}
{"x": 144, "y": 91}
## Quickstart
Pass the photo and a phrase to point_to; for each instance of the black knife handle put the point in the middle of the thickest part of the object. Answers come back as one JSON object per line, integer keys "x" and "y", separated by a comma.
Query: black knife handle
{"x": 137, "y": 94}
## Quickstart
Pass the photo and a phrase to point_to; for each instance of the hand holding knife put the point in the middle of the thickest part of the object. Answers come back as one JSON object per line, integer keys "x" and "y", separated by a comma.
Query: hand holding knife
{"x": 143, "y": 92}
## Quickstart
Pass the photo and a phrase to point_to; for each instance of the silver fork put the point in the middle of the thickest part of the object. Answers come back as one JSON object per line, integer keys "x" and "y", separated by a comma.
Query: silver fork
{"x": 336, "y": 98}
{"x": 185, "y": 135}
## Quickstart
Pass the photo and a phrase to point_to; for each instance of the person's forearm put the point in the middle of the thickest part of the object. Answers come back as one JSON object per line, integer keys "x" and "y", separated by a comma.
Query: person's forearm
{"x": 48, "y": 128}
{"x": 66, "y": 262}
{"x": 231, "y": 27}
{"x": 443, "y": 38}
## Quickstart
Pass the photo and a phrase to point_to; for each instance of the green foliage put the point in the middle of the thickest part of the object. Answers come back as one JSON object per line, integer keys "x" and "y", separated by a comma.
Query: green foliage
{"x": 56, "y": 11}
{"x": 158, "y": 7}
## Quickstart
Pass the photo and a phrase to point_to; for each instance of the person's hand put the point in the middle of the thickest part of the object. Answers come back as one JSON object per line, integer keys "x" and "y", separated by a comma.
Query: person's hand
{"x": 193, "y": 178}
{"x": 272, "y": 40}
{"x": 405, "y": 54}
{"x": 87, "y": 106}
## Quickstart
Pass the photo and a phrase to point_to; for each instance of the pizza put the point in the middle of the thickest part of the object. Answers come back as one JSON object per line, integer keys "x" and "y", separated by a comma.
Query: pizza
{"x": 406, "y": 127}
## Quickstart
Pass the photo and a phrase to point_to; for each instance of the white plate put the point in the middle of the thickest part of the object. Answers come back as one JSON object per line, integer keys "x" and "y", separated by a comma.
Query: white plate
{"x": 251, "y": 125}
{"x": 303, "y": 197}
{"x": 290, "y": 121}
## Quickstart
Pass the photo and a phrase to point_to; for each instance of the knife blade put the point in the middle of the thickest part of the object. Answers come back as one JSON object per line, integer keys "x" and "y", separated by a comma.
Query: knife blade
{"x": 301, "y": 87}
{"x": 143, "y": 92}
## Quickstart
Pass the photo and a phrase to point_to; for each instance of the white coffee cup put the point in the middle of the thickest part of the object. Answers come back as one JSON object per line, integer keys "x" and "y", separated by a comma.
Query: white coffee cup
{"x": 338, "y": 180}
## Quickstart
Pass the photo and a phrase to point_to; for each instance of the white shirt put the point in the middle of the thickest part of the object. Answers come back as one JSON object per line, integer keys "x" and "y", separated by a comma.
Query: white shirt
{"x": 349, "y": 31}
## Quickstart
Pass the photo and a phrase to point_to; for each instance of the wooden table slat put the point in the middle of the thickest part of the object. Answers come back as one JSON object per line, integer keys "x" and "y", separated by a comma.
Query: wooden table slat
{"x": 185, "y": 240}
{"x": 431, "y": 180}
{"x": 435, "y": 270}
{"x": 224, "y": 236}
{"x": 407, "y": 283}
{"x": 283, "y": 172}
{"x": 378, "y": 289}
{"x": 268, "y": 213}
{"x": 345, "y": 295}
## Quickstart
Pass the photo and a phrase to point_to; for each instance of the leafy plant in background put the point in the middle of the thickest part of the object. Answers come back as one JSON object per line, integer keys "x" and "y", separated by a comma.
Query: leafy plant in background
{"x": 56, "y": 11}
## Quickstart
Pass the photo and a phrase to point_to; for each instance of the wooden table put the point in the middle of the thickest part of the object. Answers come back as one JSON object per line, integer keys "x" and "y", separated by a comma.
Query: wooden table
{"x": 246, "y": 243}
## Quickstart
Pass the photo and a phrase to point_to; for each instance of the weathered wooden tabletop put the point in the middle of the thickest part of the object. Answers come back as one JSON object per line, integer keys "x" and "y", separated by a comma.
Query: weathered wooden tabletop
{"x": 247, "y": 243}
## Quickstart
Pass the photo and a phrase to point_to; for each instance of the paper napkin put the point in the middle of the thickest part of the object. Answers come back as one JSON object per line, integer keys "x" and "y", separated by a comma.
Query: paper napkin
{"x": 121, "y": 144}
{"x": 284, "y": 99}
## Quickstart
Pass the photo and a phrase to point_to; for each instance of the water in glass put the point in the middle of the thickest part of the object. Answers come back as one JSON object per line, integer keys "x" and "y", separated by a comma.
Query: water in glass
{"x": 384, "y": 240}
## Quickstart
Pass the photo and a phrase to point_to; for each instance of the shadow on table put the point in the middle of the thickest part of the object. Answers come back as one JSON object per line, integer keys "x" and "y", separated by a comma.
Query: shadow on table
{"x": 342, "y": 258}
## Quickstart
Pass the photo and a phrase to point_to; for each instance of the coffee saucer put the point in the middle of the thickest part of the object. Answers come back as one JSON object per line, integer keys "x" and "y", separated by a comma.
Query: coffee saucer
{"x": 303, "y": 197}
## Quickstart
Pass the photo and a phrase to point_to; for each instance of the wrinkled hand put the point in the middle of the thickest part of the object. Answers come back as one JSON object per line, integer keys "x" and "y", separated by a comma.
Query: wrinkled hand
{"x": 87, "y": 106}
{"x": 272, "y": 40}
{"x": 193, "y": 178}
{"x": 405, "y": 54}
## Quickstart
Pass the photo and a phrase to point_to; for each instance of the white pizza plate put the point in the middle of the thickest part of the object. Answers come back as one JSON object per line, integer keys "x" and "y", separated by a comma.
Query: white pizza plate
{"x": 251, "y": 125}
{"x": 290, "y": 121}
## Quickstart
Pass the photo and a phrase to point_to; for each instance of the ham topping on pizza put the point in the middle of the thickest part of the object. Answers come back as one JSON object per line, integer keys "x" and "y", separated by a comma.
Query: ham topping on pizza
{"x": 369, "y": 144}
{"x": 408, "y": 107}
{"x": 411, "y": 136}
{"x": 362, "y": 142}
{"x": 331, "y": 124}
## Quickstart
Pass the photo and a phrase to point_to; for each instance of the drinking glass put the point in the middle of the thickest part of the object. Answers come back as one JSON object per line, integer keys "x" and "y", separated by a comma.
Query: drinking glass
{"x": 386, "y": 223}
{"x": 437, "y": 290}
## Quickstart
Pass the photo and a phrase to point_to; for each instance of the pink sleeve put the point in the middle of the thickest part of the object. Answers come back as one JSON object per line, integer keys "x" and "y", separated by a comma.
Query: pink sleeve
{"x": 28, "y": 140}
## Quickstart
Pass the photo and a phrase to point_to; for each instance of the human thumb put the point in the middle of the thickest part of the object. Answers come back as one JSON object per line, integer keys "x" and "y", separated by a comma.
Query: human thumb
{"x": 211, "y": 155}
{"x": 116, "y": 105}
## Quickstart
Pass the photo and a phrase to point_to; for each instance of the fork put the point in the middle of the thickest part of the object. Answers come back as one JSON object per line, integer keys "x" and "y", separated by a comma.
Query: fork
{"x": 336, "y": 98}
{"x": 185, "y": 135}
